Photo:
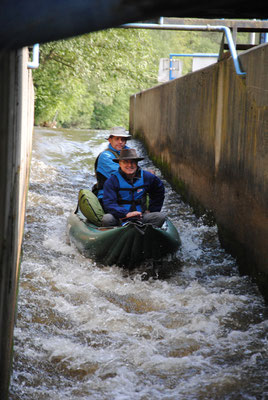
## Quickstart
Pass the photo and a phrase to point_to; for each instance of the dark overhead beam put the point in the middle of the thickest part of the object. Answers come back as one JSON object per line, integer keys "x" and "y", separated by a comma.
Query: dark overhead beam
{"x": 25, "y": 22}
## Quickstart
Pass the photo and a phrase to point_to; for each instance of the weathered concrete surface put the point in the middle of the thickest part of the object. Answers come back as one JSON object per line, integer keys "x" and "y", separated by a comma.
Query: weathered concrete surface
{"x": 16, "y": 125}
{"x": 208, "y": 131}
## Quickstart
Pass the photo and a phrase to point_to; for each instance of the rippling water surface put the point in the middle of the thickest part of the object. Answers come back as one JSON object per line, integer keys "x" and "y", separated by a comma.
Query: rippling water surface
{"x": 86, "y": 331}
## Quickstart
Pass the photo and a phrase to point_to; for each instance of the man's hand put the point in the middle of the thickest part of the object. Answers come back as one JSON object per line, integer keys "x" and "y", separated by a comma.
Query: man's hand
{"x": 132, "y": 214}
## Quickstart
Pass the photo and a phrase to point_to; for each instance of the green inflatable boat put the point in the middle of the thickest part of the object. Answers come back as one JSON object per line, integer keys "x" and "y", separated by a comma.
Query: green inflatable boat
{"x": 125, "y": 246}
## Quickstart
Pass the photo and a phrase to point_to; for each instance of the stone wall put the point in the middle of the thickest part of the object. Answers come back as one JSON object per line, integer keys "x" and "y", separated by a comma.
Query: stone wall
{"x": 208, "y": 130}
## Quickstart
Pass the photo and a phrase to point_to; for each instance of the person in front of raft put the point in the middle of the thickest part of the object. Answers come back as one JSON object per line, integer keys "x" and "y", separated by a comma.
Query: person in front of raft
{"x": 125, "y": 192}
{"x": 104, "y": 164}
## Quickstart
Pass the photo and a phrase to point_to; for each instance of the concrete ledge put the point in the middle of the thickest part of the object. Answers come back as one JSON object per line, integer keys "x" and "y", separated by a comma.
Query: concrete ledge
{"x": 208, "y": 132}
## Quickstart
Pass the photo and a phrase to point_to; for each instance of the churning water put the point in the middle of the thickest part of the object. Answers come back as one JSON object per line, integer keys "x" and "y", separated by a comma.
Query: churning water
{"x": 86, "y": 331}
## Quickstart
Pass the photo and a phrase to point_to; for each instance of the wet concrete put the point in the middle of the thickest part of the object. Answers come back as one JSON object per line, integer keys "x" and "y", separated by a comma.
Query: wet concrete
{"x": 16, "y": 104}
{"x": 208, "y": 132}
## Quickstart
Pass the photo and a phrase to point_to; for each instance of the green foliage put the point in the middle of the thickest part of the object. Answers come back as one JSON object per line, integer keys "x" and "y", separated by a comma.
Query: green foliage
{"x": 86, "y": 81}
{"x": 60, "y": 86}
{"x": 114, "y": 114}
{"x": 183, "y": 42}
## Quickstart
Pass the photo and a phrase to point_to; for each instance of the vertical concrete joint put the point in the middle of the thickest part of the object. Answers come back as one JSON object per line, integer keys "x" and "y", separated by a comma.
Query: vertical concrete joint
{"x": 219, "y": 120}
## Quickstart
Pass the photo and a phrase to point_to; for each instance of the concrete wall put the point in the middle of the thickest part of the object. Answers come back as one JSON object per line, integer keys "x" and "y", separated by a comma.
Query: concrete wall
{"x": 208, "y": 131}
{"x": 16, "y": 125}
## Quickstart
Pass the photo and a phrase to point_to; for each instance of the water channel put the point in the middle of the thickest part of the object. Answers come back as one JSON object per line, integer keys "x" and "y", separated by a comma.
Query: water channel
{"x": 87, "y": 331}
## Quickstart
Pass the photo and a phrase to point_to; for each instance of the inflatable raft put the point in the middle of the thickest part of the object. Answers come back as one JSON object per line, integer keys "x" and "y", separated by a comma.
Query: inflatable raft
{"x": 125, "y": 246}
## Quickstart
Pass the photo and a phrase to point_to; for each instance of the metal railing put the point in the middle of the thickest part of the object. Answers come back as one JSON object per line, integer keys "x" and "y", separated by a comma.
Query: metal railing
{"x": 35, "y": 61}
{"x": 212, "y": 28}
{"x": 209, "y": 55}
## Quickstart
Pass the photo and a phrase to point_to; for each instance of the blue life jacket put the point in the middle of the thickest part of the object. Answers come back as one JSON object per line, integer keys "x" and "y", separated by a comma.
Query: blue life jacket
{"x": 102, "y": 176}
{"x": 131, "y": 197}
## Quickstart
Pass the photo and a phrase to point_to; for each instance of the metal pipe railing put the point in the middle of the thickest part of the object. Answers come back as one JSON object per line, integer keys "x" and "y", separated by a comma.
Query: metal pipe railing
{"x": 35, "y": 61}
{"x": 214, "y": 55}
{"x": 213, "y": 28}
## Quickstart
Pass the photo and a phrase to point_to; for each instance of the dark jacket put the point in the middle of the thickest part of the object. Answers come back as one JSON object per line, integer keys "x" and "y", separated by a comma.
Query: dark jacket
{"x": 105, "y": 166}
{"x": 153, "y": 186}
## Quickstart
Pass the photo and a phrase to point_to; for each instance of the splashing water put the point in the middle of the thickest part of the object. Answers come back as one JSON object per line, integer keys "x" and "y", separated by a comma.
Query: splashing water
{"x": 87, "y": 331}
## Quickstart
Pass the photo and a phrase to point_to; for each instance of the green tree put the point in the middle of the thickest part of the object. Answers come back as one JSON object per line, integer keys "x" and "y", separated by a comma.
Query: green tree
{"x": 86, "y": 81}
{"x": 97, "y": 72}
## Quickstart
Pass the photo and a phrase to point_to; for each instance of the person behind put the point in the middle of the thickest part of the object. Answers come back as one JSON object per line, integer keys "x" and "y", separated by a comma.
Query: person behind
{"x": 104, "y": 164}
{"x": 125, "y": 193}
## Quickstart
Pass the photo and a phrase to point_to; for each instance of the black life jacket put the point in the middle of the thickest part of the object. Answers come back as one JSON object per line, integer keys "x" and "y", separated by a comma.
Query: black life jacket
{"x": 101, "y": 178}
